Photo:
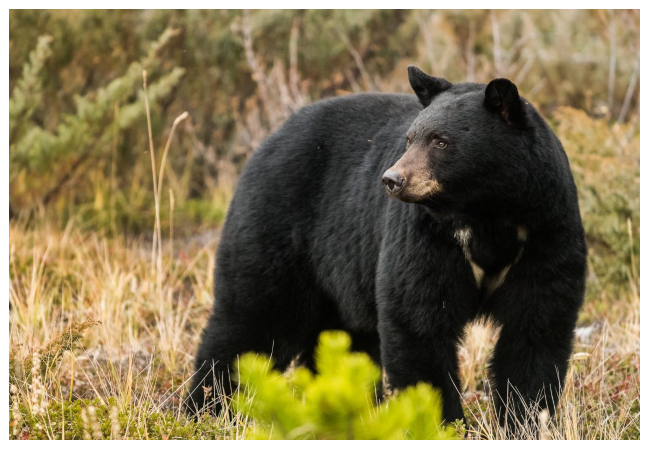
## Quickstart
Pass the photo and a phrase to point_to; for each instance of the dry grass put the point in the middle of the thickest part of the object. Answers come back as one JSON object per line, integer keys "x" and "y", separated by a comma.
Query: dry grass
{"x": 602, "y": 395}
{"x": 149, "y": 319}
{"x": 140, "y": 354}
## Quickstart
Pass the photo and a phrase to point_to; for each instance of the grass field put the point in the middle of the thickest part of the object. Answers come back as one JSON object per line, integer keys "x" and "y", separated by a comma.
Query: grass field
{"x": 137, "y": 357}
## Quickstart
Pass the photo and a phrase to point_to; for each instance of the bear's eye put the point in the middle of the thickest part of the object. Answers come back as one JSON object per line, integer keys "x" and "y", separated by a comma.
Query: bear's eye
{"x": 441, "y": 144}
{"x": 408, "y": 142}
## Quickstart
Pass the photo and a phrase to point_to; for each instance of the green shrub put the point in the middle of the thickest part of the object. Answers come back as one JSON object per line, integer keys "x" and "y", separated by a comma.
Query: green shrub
{"x": 79, "y": 147}
{"x": 337, "y": 403}
{"x": 605, "y": 165}
{"x": 97, "y": 419}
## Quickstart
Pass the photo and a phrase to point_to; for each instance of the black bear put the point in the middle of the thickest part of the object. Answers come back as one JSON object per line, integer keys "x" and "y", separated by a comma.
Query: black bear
{"x": 477, "y": 218}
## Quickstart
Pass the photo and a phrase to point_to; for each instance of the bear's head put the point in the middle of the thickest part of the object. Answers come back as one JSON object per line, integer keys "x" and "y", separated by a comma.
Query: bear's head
{"x": 469, "y": 148}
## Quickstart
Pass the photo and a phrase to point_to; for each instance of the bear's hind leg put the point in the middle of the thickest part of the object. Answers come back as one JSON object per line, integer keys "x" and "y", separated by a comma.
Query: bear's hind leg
{"x": 224, "y": 339}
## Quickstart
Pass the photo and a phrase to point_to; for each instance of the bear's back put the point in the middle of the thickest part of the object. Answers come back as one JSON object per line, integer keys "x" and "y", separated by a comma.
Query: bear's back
{"x": 319, "y": 149}
{"x": 311, "y": 199}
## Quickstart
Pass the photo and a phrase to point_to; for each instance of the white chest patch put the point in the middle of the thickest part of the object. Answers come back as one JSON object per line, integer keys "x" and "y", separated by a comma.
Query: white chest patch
{"x": 489, "y": 283}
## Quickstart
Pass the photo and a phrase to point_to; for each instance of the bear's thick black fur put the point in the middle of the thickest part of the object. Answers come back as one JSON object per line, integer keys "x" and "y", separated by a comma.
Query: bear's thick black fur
{"x": 478, "y": 219}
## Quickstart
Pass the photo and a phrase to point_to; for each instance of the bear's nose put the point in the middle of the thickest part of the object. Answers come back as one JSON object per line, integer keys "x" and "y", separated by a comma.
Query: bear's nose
{"x": 393, "y": 181}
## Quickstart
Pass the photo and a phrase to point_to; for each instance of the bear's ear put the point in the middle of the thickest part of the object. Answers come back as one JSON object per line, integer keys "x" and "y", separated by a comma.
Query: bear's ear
{"x": 425, "y": 86}
{"x": 501, "y": 96}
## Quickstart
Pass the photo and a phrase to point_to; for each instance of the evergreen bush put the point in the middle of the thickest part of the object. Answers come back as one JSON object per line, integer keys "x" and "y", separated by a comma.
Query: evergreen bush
{"x": 339, "y": 402}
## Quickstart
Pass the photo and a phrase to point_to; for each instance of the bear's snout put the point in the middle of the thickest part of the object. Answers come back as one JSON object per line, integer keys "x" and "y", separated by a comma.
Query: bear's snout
{"x": 393, "y": 181}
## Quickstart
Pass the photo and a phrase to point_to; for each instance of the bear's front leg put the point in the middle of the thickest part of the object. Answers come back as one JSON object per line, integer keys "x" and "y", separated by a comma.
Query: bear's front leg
{"x": 538, "y": 309}
{"x": 426, "y": 295}
{"x": 528, "y": 369}
{"x": 409, "y": 357}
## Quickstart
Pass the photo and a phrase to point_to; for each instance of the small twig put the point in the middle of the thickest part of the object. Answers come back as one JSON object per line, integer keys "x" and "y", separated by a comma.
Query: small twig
{"x": 537, "y": 87}
{"x": 253, "y": 64}
{"x": 353, "y": 82}
{"x": 470, "y": 56}
{"x": 287, "y": 103}
{"x": 496, "y": 39}
{"x": 631, "y": 88}
{"x": 357, "y": 59}
{"x": 428, "y": 41}
{"x": 171, "y": 223}
{"x": 178, "y": 120}
{"x": 612, "y": 61}
{"x": 163, "y": 162}
{"x": 116, "y": 119}
{"x": 153, "y": 171}
{"x": 528, "y": 64}
{"x": 294, "y": 79}
{"x": 69, "y": 175}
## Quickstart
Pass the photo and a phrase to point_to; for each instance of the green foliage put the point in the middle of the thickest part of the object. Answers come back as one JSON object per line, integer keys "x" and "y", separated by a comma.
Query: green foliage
{"x": 605, "y": 164}
{"x": 97, "y": 419}
{"x": 41, "y": 161}
{"x": 337, "y": 403}
{"x": 205, "y": 211}
{"x": 27, "y": 93}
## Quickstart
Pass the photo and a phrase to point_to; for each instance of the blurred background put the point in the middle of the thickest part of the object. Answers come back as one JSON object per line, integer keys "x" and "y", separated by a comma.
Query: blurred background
{"x": 79, "y": 145}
